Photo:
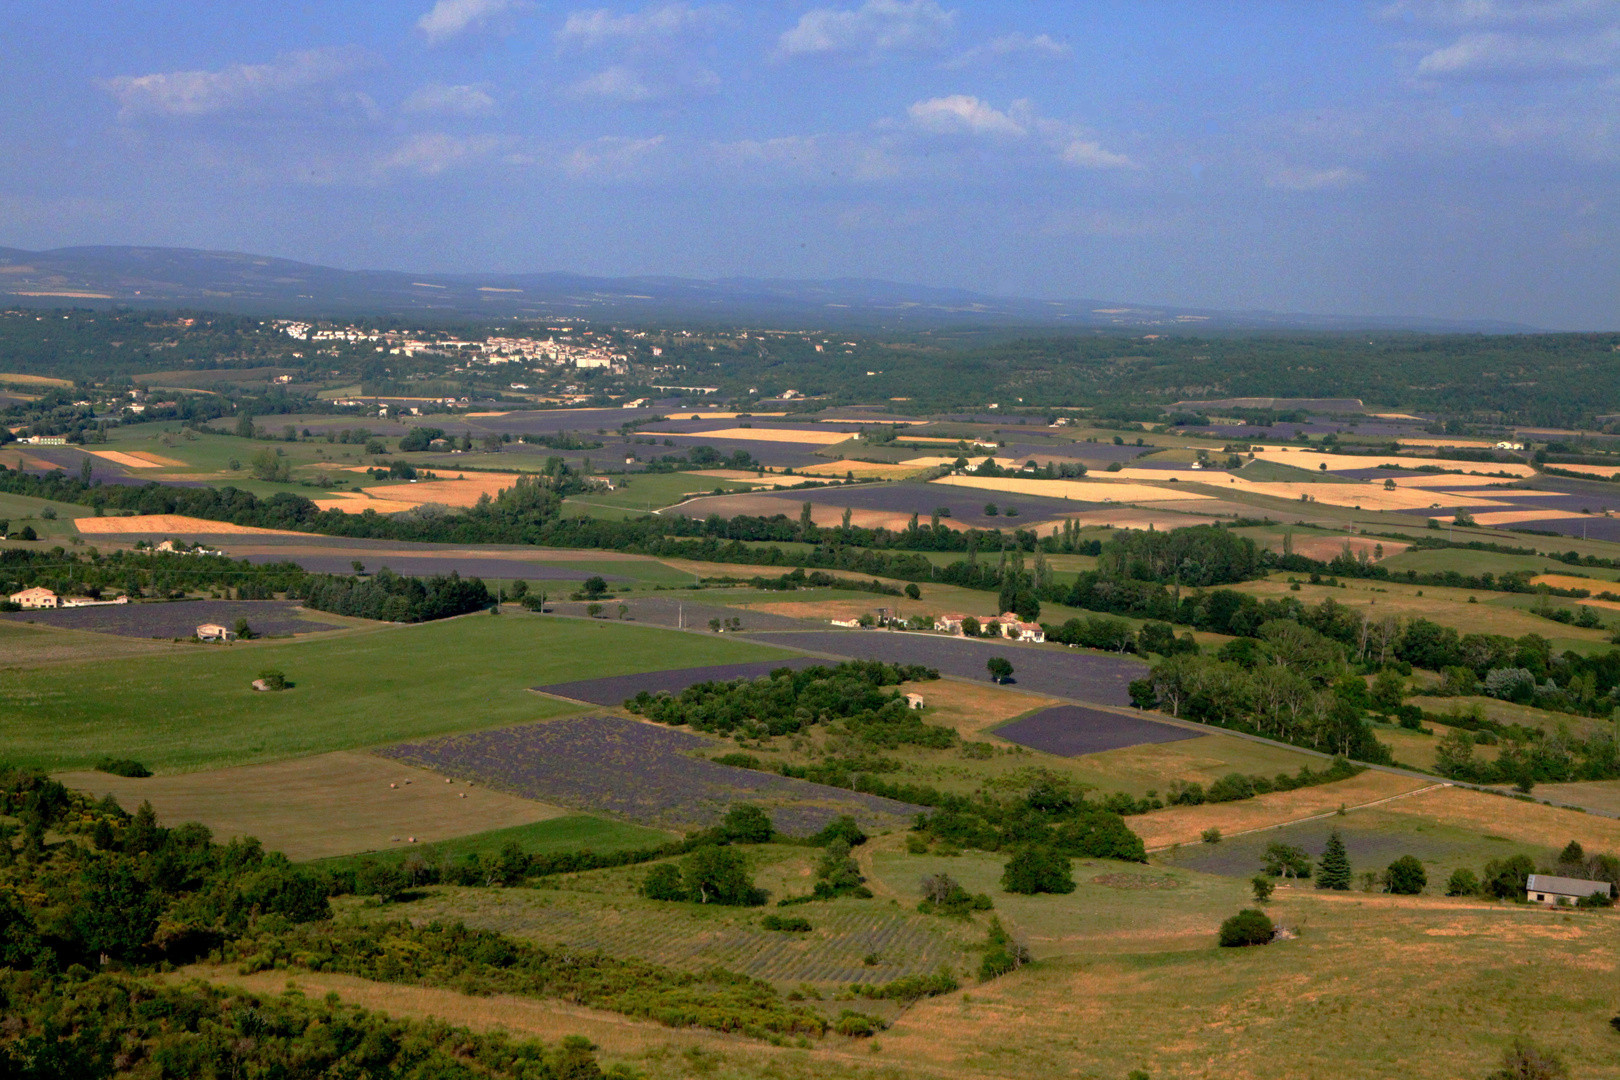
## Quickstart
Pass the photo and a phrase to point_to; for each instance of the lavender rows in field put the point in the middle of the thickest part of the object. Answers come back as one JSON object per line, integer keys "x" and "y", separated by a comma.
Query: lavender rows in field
{"x": 1072, "y": 730}
{"x": 429, "y": 565}
{"x": 637, "y": 771}
{"x": 664, "y": 611}
{"x": 1060, "y": 673}
{"x": 177, "y": 619}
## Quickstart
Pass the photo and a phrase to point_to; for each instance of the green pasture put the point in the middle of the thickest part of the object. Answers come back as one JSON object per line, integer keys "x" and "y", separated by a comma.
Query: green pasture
{"x": 351, "y": 690}
{"x": 1474, "y": 563}
{"x": 23, "y": 510}
{"x": 576, "y": 832}
{"x": 644, "y": 493}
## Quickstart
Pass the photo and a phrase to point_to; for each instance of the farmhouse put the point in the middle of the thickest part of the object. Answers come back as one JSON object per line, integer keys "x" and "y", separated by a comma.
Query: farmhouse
{"x": 215, "y": 632}
{"x": 949, "y": 624}
{"x": 1552, "y": 891}
{"x": 1014, "y": 627}
{"x": 35, "y": 598}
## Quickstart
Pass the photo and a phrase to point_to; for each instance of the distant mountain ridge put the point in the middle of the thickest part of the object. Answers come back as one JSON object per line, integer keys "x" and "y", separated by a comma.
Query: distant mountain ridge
{"x": 259, "y": 284}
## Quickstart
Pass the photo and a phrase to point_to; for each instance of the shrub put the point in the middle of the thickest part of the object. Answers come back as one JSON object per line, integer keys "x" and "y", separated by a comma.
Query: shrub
{"x": 1248, "y": 927}
{"x": 1406, "y": 876}
{"x": 857, "y": 1025}
{"x": 1003, "y": 953}
{"x": 1263, "y": 888}
{"x": 384, "y": 880}
{"x": 1036, "y": 869}
{"x": 663, "y": 882}
{"x": 843, "y": 827}
{"x": 273, "y": 679}
{"x": 747, "y": 824}
{"x": 1462, "y": 883}
{"x": 1210, "y": 835}
{"x": 791, "y": 924}
{"x": 122, "y": 767}
{"x": 1524, "y": 1060}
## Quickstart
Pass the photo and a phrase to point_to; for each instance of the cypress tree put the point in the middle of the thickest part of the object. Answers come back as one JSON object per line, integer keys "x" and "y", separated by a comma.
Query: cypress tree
{"x": 1333, "y": 872}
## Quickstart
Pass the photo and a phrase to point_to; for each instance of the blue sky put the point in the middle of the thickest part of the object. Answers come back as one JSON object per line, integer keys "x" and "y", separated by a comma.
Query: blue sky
{"x": 1439, "y": 157}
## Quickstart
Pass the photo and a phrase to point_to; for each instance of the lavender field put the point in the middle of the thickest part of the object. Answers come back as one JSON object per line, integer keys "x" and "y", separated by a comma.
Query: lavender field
{"x": 641, "y": 772}
{"x": 178, "y": 618}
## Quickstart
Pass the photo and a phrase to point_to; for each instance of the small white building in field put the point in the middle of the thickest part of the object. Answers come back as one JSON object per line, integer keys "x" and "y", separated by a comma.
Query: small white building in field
{"x": 914, "y": 701}
{"x": 215, "y": 632}
{"x": 1553, "y": 891}
{"x": 37, "y": 597}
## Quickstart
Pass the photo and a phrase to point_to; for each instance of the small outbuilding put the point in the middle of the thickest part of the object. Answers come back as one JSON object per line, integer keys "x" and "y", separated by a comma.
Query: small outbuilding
{"x": 37, "y": 597}
{"x": 914, "y": 701}
{"x": 215, "y": 632}
{"x": 1552, "y": 891}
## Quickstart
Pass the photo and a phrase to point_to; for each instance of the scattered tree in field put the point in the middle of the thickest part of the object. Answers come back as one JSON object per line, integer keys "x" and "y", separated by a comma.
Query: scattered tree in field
{"x": 912, "y": 592}
{"x": 1000, "y": 668}
{"x": 1262, "y": 888}
{"x": 1210, "y": 835}
{"x": 1505, "y": 879}
{"x": 1406, "y": 876}
{"x": 1036, "y": 869}
{"x": 1250, "y": 926}
{"x": 595, "y": 587}
{"x": 1334, "y": 871}
{"x": 1287, "y": 861}
{"x": 663, "y": 882}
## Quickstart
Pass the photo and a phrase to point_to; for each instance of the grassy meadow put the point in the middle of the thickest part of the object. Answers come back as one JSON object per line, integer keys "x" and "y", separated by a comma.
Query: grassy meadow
{"x": 197, "y": 710}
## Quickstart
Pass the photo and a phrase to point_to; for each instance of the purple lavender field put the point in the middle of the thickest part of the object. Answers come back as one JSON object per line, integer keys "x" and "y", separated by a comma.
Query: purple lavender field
{"x": 638, "y": 771}
{"x": 1072, "y": 730}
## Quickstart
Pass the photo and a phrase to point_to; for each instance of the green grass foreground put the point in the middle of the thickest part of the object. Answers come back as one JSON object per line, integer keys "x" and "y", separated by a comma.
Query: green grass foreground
{"x": 350, "y": 690}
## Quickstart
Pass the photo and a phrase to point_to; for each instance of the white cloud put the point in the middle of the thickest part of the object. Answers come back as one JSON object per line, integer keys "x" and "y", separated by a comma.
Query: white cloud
{"x": 1086, "y": 154}
{"x": 1012, "y": 47}
{"x": 610, "y": 157}
{"x": 961, "y": 114}
{"x": 1501, "y": 12}
{"x": 623, "y": 83}
{"x": 201, "y": 93}
{"x": 876, "y": 26}
{"x": 450, "y": 100}
{"x": 1314, "y": 179}
{"x": 617, "y": 83}
{"x": 452, "y": 18}
{"x": 1523, "y": 54}
{"x": 431, "y": 153}
{"x": 651, "y": 25}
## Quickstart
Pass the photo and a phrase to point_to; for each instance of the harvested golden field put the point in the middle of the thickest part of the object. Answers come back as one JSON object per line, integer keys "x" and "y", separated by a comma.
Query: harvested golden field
{"x": 464, "y": 490}
{"x": 1605, "y": 471}
{"x": 359, "y": 504}
{"x": 774, "y": 435}
{"x": 886, "y": 469}
{"x": 1603, "y": 795}
{"x": 135, "y": 459}
{"x": 1138, "y": 518}
{"x": 316, "y": 807}
{"x": 1185, "y": 824}
{"x": 1570, "y": 581}
{"x": 33, "y": 380}
{"x": 1515, "y": 517}
{"x": 1081, "y": 490}
{"x": 169, "y": 525}
{"x": 1326, "y": 548}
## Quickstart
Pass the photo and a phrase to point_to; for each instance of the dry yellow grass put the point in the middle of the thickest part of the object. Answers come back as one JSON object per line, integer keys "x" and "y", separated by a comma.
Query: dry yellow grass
{"x": 1514, "y": 517}
{"x": 168, "y": 524}
{"x": 33, "y": 380}
{"x": 1081, "y": 490}
{"x": 1137, "y": 518}
{"x": 970, "y": 707}
{"x": 1312, "y": 459}
{"x": 20, "y": 460}
{"x": 315, "y": 807}
{"x": 821, "y": 438}
{"x": 1528, "y": 822}
{"x": 1589, "y": 470}
{"x": 351, "y": 504}
{"x": 464, "y": 490}
{"x": 1570, "y": 581}
{"x": 888, "y": 469}
{"x": 1185, "y": 824}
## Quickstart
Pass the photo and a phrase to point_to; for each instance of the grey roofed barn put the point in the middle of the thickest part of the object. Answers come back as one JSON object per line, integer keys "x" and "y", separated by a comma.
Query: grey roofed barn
{"x": 1548, "y": 889}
